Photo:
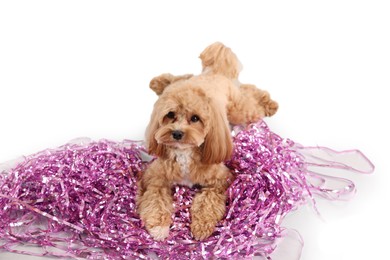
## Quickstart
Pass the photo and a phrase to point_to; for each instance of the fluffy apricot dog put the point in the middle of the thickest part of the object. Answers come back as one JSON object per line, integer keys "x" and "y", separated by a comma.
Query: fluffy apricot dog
{"x": 190, "y": 135}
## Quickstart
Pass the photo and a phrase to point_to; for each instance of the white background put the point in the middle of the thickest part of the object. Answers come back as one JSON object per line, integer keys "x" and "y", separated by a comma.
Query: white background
{"x": 81, "y": 68}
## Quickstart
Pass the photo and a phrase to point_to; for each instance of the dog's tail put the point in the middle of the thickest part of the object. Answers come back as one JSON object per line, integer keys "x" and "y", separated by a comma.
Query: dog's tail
{"x": 219, "y": 59}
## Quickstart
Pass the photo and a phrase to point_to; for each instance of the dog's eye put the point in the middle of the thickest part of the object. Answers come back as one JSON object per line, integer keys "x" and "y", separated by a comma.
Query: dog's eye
{"x": 195, "y": 118}
{"x": 171, "y": 115}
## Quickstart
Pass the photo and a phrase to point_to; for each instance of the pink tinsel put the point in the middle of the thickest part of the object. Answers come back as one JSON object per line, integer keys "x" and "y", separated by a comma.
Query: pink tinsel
{"x": 79, "y": 200}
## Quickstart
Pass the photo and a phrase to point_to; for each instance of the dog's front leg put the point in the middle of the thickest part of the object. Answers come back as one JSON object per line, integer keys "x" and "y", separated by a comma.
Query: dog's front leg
{"x": 208, "y": 208}
{"x": 155, "y": 205}
{"x": 155, "y": 210}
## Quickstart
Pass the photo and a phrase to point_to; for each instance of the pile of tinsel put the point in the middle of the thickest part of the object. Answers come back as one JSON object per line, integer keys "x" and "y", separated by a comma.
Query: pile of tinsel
{"x": 79, "y": 200}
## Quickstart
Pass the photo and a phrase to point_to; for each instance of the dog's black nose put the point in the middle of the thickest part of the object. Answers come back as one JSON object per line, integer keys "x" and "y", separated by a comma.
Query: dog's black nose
{"x": 177, "y": 134}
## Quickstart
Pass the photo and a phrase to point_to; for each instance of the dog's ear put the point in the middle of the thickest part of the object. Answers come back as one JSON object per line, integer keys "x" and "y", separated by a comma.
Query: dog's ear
{"x": 159, "y": 83}
{"x": 218, "y": 145}
{"x": 152, "y": 146}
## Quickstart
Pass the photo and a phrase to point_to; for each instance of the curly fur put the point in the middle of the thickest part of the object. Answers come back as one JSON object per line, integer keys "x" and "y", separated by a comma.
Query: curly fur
{"x": 190, "y": 135}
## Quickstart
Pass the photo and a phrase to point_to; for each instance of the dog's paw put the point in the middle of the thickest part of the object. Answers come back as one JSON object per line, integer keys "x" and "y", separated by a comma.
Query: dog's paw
{"x": 159, "y": 233}
{"x": 270, "y": 106}
{"x": 258, "y": 99}
{"x": 201, "y": 230}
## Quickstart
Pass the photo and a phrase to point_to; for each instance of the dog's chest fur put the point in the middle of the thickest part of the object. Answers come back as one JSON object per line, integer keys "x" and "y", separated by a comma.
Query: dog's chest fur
{"x": 183, "y": 159}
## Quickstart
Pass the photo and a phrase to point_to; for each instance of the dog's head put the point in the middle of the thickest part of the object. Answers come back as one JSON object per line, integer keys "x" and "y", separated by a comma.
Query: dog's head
{"x": 184, "y": 117}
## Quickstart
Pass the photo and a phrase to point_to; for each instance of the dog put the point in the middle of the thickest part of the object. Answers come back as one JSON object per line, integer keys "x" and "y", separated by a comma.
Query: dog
{"x": 189, "y": 133}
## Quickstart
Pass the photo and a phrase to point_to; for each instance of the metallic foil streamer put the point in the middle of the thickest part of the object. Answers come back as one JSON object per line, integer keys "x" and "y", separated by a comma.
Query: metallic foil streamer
{"x": 79, "y": 200}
